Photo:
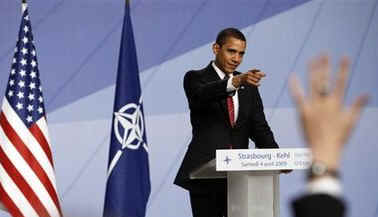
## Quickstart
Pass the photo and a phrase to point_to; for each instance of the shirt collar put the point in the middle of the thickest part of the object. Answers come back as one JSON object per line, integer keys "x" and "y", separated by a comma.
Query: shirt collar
{"x": 220, "y": 73}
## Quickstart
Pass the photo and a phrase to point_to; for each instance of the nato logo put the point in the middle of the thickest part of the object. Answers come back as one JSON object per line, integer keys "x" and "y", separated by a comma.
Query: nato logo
{"x": 129, "y": 127}
{"x": 227, "y": 160}
{"x": 129, "y": 130}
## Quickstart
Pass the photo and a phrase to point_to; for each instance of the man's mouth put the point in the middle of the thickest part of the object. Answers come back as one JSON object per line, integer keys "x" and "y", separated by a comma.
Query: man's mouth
{"x": 233, "y": 66}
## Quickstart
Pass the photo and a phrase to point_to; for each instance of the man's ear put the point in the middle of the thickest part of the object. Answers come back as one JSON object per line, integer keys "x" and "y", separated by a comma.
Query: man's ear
{"x": 216, "y": 48}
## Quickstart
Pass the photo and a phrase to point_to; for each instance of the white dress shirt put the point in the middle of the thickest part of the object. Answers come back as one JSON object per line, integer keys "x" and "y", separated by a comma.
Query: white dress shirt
{"x": 230, "y": 88}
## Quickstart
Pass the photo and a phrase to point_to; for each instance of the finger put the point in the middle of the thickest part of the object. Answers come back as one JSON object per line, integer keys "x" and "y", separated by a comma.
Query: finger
{"x": 260, "y": 74}
{"x": 342, "y": 77}
{"x": 252, "y": 82}
{"x": 296, "y": 91}
{"x": 357, "y": 106}
{"x": 254, "y": 70}
{"x": 319, "y": 76}
{"x": 257, "y": 72}
{"x": 253, "y": 79}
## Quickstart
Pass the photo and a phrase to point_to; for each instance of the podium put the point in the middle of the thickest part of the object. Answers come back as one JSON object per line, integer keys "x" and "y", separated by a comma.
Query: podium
{"x": 253, "y": 177}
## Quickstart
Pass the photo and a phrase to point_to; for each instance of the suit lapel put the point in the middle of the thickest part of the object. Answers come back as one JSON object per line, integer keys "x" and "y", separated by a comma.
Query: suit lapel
{"x": 211, "y": 75}
{"x": 242, "y": 96}
{"x": 223, "y": 104}
{"x": 243, "y": 100}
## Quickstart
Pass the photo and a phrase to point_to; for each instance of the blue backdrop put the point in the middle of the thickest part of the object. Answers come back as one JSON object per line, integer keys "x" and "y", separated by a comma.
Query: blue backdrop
{"x": 78, "y": 44}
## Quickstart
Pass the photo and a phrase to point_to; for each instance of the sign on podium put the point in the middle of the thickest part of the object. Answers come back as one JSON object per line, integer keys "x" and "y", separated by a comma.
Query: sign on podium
{"x": 262, "y": 159}
{"x": 253, "y": 177}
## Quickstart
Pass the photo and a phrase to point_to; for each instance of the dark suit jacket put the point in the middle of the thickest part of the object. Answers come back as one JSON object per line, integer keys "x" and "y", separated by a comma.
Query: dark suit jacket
{"x": 318, "y": 205}
{"x": 211, "y": 129}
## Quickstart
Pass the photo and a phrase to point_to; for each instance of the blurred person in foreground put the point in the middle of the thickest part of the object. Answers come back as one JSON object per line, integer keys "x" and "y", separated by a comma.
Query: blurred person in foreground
{"x": 327, "y": 125}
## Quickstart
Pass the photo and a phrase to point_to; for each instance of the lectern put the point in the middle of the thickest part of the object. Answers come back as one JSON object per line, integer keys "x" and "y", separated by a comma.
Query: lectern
{"x": 253, "y": 177}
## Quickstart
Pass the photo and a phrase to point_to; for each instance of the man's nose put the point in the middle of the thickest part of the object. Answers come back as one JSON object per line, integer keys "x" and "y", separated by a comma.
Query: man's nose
{"x": 236, "y": 58}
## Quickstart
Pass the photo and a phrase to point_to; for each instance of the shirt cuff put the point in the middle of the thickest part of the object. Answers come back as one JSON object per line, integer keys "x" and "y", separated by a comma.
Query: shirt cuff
{"x": 230, "y": 86}
{"x": 325, "y": 185}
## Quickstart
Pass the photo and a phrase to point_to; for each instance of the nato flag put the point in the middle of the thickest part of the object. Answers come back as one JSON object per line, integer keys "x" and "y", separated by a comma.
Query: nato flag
{"x": 128, "y": 182}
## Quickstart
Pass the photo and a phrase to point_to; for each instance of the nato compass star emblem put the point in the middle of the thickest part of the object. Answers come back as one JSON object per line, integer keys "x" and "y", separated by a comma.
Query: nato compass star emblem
{"x": 129, "y": 126}
{"x": 129, "y": 130}
{"x": 227, "y": 160}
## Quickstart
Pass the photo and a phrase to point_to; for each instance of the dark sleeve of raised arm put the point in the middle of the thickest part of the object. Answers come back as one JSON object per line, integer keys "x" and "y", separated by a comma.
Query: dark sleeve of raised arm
{"x": 201, "y": 92}
{"x": 318, "y": 205}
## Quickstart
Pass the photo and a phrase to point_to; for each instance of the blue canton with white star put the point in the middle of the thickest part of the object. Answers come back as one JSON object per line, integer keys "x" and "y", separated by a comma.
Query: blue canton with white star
{"x": 24, "y": 90}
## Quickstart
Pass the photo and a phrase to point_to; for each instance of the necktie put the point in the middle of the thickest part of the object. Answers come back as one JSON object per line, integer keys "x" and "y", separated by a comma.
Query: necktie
{"x": 231, "y": 111}
{"x": 230, "y": 107}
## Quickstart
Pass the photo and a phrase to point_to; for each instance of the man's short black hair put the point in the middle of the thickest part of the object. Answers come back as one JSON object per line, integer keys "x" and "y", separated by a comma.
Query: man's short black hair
{"x": 228, "y": 33}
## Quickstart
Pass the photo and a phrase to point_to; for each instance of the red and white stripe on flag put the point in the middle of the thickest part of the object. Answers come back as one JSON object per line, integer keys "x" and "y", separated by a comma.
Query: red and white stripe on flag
{"x": 28, "y": 186}
{"x": 27, "y": 177}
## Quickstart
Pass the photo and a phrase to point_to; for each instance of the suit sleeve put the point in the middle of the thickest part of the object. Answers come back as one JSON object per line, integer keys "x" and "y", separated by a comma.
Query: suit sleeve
{"x": 261, "y": 133}
{"x": 318, "y": 205}
{"x": 201, "y": 92}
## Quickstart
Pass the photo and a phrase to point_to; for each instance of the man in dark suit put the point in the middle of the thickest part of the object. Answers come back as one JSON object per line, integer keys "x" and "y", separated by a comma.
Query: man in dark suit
{"x": 226, "y": 111}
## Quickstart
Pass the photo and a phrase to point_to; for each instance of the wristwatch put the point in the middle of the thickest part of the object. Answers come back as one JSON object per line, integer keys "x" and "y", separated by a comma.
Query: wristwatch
{"x": 319, "y": 169}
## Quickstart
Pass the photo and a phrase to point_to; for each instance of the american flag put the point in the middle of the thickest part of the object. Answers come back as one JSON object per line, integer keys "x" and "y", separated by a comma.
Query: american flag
{"x": 27, "y": 177}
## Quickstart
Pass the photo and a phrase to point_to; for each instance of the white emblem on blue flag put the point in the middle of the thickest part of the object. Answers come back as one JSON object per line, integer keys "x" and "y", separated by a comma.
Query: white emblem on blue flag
{"x": 129, "y": 130}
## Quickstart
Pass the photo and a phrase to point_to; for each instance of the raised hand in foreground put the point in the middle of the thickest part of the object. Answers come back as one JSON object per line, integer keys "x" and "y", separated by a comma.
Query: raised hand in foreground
{"x": 326, "y": 122}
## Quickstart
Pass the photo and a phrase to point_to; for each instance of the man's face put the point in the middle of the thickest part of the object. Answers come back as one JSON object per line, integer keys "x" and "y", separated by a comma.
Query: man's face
{"x": 229, "y": 56}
